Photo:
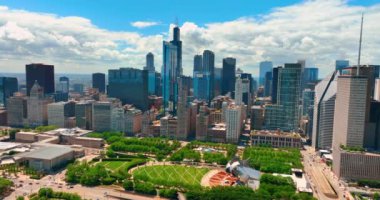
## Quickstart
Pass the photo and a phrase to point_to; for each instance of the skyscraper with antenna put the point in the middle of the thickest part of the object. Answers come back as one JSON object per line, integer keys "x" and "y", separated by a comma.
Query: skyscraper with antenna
{"x": 360, "y": 46}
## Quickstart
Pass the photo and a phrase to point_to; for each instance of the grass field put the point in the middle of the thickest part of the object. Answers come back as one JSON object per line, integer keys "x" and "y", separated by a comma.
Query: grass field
{"x": 171, "y": 175}
{"x": 272, "y": 160}
{"x": 113, "y": 165}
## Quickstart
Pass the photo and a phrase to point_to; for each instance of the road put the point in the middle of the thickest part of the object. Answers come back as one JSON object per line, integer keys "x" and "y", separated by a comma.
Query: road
{"x": 323, "y": 180}
{"x": 26, "y": 186}
{"x": 57, "y": 184}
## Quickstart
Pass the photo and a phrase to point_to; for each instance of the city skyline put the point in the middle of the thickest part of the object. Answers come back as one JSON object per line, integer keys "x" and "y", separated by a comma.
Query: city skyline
{"x": 282, "y": 33}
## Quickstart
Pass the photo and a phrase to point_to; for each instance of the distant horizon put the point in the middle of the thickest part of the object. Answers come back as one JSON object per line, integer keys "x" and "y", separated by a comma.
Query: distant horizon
{"x": 84, "y": 37}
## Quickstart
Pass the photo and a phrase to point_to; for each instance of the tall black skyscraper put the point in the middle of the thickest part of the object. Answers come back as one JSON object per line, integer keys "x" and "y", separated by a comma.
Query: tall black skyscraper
{"x": 178, "y": 43}
{"x": 130, "y": 86}
{"x": 268, "y": 84}
{"x": 43, "y": 74}
{"x": 149, "y": 62}
{"x": 228, "y": 75}
{"x": 208, "y": 68}
{"x": 8, "y": 86}
{"x": 99, "y": 81}
{"x": 274, "y": 84}
{"x": 198, "y": 63}
{"x": 151, "y": 73}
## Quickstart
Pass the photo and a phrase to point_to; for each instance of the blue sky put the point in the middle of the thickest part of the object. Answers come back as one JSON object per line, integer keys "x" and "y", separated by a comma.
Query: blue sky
{"x": 83, "y": 36}
{"x": 118, "y": 14}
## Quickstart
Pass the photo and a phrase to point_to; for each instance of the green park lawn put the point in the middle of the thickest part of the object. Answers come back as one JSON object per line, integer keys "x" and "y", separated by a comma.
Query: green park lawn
{"x": 113, "y": 165}
{"x": 171, "y": 175}
{"x": 273, "y": 160}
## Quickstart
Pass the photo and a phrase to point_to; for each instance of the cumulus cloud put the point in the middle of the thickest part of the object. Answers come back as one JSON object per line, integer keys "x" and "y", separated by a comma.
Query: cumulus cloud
{"x": 319, "y": 31}
{"x": 143, "y": 24}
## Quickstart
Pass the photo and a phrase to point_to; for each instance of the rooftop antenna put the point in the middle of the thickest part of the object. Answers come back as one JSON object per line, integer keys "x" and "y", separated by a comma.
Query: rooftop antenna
{"x": 360, "y": 45}
{"x": 176, "y": 21}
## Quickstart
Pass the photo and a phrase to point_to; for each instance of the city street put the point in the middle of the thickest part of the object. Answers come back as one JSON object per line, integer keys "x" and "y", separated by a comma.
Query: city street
{"x": 57, "y": 184}
{"x": 324, "y": 183}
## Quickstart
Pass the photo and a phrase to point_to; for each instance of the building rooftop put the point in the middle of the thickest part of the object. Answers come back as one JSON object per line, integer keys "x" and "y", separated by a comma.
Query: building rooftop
{"x": 276, "y": 133}
{"x": 46, "y": 152}
{"x": 68, "y": 131}
{"x": 27, "y": 133}
{"x": 8, "y": 145}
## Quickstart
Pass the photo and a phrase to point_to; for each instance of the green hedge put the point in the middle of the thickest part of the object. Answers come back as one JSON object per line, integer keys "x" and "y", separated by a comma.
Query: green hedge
{"x": 168, "y": 193}
{"x": 145, "y": 188}
{"x": 128, "y": 185}
{"x": 369, "y": 183}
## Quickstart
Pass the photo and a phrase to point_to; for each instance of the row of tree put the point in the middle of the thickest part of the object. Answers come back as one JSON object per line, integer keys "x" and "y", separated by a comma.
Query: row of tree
{"x": 85, "y": 174}
{"x": 150, "y": 189}
{"x": 48, "y": 193}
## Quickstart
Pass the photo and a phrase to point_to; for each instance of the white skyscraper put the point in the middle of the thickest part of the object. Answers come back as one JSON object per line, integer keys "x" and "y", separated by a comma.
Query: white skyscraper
{"x": 238, "y": 91}
{"x": 350, "y": 111}
{"x": 233, "y": 123}
{"x": 37, "y": 106}
{"x": 324, "y": 108}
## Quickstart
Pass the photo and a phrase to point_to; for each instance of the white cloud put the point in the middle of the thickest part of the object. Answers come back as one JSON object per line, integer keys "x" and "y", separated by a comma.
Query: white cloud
{"x": 319, "y": 31}
{"x": 144, "y": 24}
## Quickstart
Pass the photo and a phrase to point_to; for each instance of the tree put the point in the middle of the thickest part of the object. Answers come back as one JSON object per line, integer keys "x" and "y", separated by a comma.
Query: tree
{"x": 128, "y": 185}
{"x": 5, "y": 185}
{"x": 145, "y": 188}
{"x": 376, "y": 196}
{"x": 168, "y": 193}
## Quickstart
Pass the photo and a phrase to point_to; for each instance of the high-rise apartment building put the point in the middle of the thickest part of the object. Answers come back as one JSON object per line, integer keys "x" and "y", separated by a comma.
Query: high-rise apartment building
{"x": 202, "y": 123}
{"x": 133, "y": 120}
{"x": 228, "y": 75}
{"x": 99, "y": 82}
{"x": 17, "y": 111}
{"x": 83, "y": 114}
{"x": 233, "y": 123}
{"x": 183, "y": 117}
{"x": 8, "y": 86}
{"x": 101, "y": 116}
{"x": 43, "y": 74}
{"x": 257, "y": 117}
{"x": 59, "y": 113}
{"x": 168, "y": 126}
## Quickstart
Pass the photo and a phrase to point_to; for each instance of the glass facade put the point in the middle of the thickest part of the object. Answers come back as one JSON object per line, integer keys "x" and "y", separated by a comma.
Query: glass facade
{"x": 130, "y": 86}
{"x": 169, "y": 76}
{"x": 289, "y": 90}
